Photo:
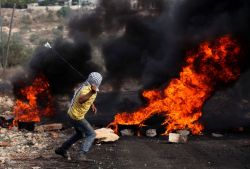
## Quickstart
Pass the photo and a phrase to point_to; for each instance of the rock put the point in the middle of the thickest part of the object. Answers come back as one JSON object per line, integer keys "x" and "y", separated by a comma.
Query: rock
{"x": 174, "y": 137}
{"x": 6, "y": 103}
{"x": 127, "y": 132}
{"x": 177, "y": 138}
{"x": 4, "y": 144}
{"x": 9, "y": 113}
{"x": 217, "y": 135}
{"x": 49, "y": 127}
{"x": 36, "y": 167}
{"x": 14, "y": 128}
{"x": 2, "y": 160}
{"x": 9, "y": 102}
{"x": 151, "y": 133}
{"x": 3, "y": 130}
{"x": 54, "y": 135}
{"x": 106, "y": 135}
{"x": 184, "y": 132}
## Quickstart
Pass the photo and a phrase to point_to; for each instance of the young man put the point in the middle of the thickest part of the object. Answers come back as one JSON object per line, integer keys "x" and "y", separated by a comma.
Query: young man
{"x": 82, "y": 101}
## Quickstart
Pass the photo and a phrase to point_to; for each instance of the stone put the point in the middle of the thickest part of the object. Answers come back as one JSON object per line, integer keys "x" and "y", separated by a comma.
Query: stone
{"x": 127, "y": 132}
{"x": 177, "y": 138}
{"x": 151, "y": 133}
{"x": 54, "y": 135}
{"x": 184, "y": 132}
{"x": 174, "y": 137}
{"x": 49, "y": 127}
{"x": 36, "y": 167}
{"x": 106, "y": 135}
{"x": 2, "y": 160}
{"x": 3, "y": 130}
{"x": 4, "y": 144}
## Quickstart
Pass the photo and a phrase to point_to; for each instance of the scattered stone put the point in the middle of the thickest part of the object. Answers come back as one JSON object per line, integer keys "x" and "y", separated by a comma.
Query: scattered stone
{"x": 184, "y": 132}
{"x": 106, "y": 135}
{"x": 2, "y": 160}
{"x": 174, "y": 137}
{"x": 4, "y": 144}
{"x": 49, "y": 127}
{"x": 54, "y": 135}
{"x": 178, "y": 138}
{"x": 151, "y": 133}
{"x": 3, "y": 130}
{"x": 36, "y": 167}
{"x": 6, "y": 103}
{"x": 217, "y": 135}
{"x": 127, "y": 132}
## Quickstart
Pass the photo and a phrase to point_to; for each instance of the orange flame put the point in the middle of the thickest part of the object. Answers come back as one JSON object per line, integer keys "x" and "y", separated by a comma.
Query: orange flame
{"x": 30, "y": 111}
{"x": 182, "y": 100}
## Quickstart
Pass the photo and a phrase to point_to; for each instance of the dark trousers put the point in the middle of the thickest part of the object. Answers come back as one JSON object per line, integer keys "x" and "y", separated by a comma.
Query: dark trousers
{"x": 82, "y": 128}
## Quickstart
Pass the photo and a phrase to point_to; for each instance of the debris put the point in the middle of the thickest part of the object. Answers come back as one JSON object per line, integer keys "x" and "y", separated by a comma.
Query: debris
{"x": 151, "y": 133}
{"x": 178, "y": 138}
{"x": 174, "y": 137}
{"x": 2, "y": 160}
{"x": 217, "y": 135}
{"x": 4, "y": 144}
{"x": 6, "y": 119}
{"x": 127, "y": 132}
{"x": 184, "y": 132}
{"x": 54, "y": 135}
{"x": 6, "y": 103}
{"x": 106, "y": 135}
{"x": 36, "y": 167}
{"x": 3, "y": 130}
{"x": 48, "y": 127}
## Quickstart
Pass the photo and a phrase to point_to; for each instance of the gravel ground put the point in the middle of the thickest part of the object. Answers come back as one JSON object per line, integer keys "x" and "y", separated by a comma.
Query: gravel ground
{"x": 232, "y": 151}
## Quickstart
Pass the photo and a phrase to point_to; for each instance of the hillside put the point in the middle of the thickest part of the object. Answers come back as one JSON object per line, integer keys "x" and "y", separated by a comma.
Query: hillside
{"x": 34, "y": 26}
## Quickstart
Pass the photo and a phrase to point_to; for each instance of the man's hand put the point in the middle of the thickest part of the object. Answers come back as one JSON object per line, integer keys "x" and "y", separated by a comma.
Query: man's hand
{"x": 94, "y": 109}
{"x": 84, "y": 98}
{"x": 94, "y": 88}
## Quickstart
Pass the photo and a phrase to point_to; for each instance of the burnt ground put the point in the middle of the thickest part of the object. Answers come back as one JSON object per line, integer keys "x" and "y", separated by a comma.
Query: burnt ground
{"x": 232, "y": 151}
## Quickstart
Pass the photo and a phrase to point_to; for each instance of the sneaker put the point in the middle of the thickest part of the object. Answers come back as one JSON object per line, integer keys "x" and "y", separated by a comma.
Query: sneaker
{"x": 62, "y": 153}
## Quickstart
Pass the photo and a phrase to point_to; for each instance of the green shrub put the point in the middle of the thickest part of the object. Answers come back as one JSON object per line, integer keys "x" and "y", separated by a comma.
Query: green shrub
{"x": 34, "y": 38}
{"x": 50, "y": 16}
{"x": 26, "y": 20}
{"x": 57, "y": 32}
{"x": 64, "y": 11}
{"x": 18, "y": 52}
{"x": 25, "y": 28}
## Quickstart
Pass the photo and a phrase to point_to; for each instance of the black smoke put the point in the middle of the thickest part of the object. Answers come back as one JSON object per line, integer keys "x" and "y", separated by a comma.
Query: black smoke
{"x": 56, "y": 64}
{"x": 152, "y": 50}
{"x": 66, "y": 64}
{"x": 146, "y": 43}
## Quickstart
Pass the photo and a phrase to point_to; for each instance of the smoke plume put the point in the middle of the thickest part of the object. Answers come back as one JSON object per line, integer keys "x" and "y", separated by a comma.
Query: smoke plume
{"x": 152, "y": 50}
{"x": 146, "y": 41}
